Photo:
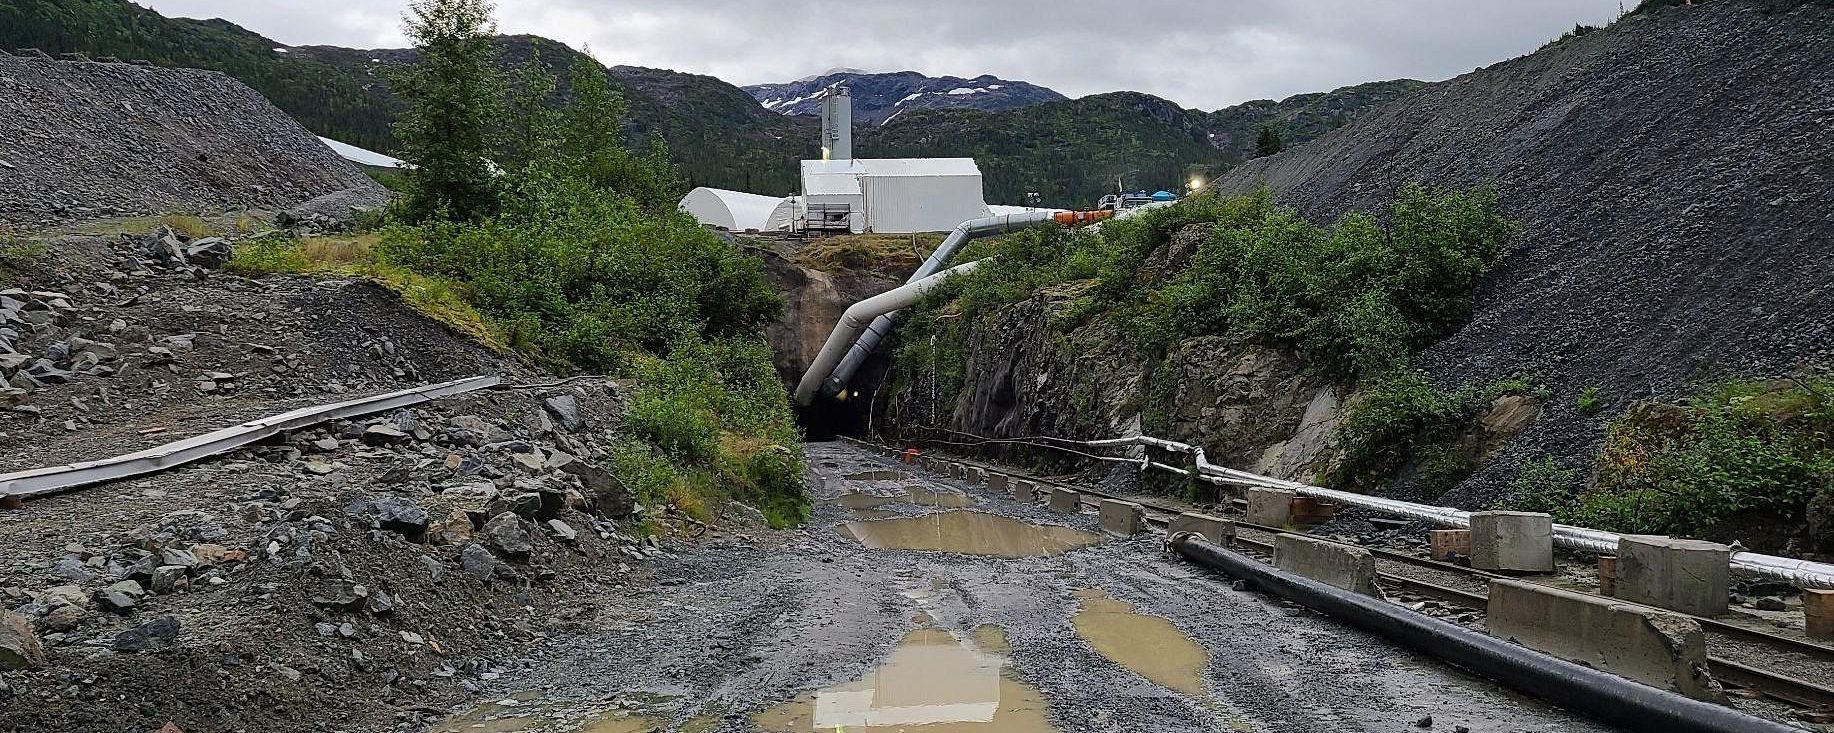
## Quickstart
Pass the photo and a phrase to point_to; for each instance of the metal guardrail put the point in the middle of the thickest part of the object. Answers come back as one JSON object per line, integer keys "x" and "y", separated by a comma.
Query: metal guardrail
{"x": 45, "y": 481}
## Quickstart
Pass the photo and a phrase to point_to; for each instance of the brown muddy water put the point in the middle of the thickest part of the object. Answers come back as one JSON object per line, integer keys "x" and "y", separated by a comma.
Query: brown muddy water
{"x": 968, "y": 533}
{"x": 1149, "y": 645}
{"x": 528, "y": 713}
{"x": 880, "y": 476}
{"x": 932, "y": 682}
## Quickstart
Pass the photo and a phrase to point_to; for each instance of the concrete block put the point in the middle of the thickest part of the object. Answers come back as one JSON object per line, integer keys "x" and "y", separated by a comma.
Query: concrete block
{"x": 1448, "y": 542}
{"x": 1690, "y": 576}
{"x": 1818, "y": 610}
{"x": 1514, "y": 541}
{"x": 976, "y": 474}
{"x": 1307, "y": 511}
{"x": 1654, "y": 647}
{"x": 1270, "y": 507}
{"x": 1124, "y": 518}
{"x": 1347, "y": 567}
{"x": 1024, "y": 491}
{"x": 1217, "y": 530}
{"x": 998, "y": 481}
{"x": 1066, "y": 501}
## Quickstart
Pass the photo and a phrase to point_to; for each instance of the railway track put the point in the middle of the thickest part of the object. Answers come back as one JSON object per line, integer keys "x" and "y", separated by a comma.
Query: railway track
{"x": 1722, "y": 637}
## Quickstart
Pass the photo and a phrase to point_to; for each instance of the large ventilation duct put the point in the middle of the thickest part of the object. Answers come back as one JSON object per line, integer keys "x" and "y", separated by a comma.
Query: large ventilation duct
{"x": 836, "y": 123}
{"x": 837, "y": 362}
{"x": 859, "y": 316}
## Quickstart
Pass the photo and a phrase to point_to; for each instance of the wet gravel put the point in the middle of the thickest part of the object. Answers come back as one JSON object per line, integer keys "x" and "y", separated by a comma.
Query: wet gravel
{"x": 738, "y": 624}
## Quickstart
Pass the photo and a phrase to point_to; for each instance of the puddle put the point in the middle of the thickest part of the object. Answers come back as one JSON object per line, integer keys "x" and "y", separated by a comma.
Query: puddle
{"x": 914, "y": 495}
{"x": 932, "y": 683}
{"x": 879, "y": 476}
{"x": 1149, "y": 645}
{"x": 968, "y": 533}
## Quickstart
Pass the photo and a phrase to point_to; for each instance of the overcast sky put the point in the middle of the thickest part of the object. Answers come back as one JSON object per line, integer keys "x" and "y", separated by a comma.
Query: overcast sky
{"x": 1206, "y": 54}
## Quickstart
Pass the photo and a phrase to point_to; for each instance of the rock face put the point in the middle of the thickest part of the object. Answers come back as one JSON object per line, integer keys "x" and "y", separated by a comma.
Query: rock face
{"x": 84, "y": 140}
{"x": 1675, "y": 190}
{"x": 813, "y": 301}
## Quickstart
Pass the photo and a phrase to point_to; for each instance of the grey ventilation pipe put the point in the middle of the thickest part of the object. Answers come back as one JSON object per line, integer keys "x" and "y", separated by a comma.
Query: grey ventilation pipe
{"x": 856, "y": 319}
{"x": 831, "y": 373}
{"x": 1604, "y": 696}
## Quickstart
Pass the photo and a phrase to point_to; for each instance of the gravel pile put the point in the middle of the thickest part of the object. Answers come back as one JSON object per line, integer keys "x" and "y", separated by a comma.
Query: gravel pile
{"x": 1675, "y": 174}
{"x": 86, "y": 140}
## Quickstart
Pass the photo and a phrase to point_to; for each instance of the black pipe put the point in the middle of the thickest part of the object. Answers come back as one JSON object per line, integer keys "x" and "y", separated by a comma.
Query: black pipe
{"x": 1606, "y": 697}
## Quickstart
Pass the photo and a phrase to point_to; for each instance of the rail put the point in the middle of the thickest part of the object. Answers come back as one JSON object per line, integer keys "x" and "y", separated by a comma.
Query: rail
{"x": 1805, "y": 573}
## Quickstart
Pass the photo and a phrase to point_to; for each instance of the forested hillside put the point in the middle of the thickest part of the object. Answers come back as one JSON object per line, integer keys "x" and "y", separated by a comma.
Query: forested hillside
{"x": 1069, "y": 152}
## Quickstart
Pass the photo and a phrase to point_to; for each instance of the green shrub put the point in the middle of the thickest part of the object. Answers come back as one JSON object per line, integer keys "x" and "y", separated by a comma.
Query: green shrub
{"x": 1590, "y": 402}
{"x": 1405, "y": 421}
{"x": 1543, "y": 486}
{"x": 1741, "y": 449}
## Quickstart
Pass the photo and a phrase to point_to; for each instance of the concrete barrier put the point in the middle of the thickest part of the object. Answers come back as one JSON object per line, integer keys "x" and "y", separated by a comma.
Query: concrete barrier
{"x": 1690, "y": 576}
{"x": 1270, "y": 507}
{"x": 975, "y": 474}
{"x": 1448, "y": 542}
{"x": 1217, "y": 530}
{"x": 1350, "y": 568}
{"x": 1818, "y": 611}
{"x": 1124, "y": 518}
{"x": 1024, "y": 491}
{"x": 1066, "y": 501}
{"x": 998, "y": 481}
{"x": 1520, "y": 542}
{"x": 1654, "y": 647}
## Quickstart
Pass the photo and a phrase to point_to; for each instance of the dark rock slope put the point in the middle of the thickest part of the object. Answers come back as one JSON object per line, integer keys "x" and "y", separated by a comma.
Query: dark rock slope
{"x": 1675, "y": 173}
{"x": 84, "y": 140}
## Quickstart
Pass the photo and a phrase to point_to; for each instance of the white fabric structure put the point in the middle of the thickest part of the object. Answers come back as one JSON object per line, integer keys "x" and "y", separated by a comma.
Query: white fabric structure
{"x": 360, "y": 156}
{"x": 731, "y": 210}
{"x": 897, "y": 195}
{"x": 785, "y": 217}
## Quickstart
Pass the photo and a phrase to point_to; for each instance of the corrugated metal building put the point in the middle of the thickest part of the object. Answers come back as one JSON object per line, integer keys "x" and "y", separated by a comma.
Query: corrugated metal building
{"x": 895, "y": 195}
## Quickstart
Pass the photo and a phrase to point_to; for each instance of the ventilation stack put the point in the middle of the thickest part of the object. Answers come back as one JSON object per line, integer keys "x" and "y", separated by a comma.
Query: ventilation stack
{"x": 836, "y": 123}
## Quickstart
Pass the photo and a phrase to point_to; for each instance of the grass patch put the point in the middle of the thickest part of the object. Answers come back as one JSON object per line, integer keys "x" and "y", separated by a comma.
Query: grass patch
{"x": 1590, "y": 401}
{"x": 880, "y": 252}
{"x": 18, "y": 254}
{"x": 1739, "y": 454}
{"x": 444, "y": 300}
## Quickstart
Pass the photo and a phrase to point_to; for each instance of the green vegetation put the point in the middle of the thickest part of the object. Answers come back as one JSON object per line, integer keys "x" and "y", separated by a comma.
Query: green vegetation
{"x": 1590, "y": 401}
{"x": 575, "y": 258}
{"x": 1356, "y": 299}
{"x": 1268, "y": 142}
{"x": 1739, "y": 456}
{"x": 1405, "y": 422}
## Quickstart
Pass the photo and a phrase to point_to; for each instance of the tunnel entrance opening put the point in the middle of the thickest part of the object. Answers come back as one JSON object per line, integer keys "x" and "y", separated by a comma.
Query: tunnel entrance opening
{"x": 829, "y": 417}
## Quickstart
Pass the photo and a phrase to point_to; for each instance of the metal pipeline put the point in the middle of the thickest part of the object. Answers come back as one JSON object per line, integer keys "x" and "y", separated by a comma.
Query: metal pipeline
{"x": 1804, "y": 573}
{"x": 856, "y": 319}
{"x": 840, "y": 372}
{"x": 1603, "y": 696}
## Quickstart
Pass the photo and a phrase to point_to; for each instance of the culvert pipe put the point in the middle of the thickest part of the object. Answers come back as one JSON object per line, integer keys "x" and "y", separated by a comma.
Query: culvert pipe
{"x": 838, "y": 372}
{"x": 1602, "y": 696}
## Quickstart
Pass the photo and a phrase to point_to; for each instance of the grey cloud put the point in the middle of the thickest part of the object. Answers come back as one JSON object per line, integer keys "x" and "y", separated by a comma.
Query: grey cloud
{"x": 1201, "y": 54}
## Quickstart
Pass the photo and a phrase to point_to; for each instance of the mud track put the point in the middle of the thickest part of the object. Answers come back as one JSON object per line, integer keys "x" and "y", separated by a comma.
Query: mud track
{"x": 737, "y": 626}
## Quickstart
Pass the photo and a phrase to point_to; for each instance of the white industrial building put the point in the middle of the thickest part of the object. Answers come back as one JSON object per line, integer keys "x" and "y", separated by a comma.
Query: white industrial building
{"x": 843, "y": 194}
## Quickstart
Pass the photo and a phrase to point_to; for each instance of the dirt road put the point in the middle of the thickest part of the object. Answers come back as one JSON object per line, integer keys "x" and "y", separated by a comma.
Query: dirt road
{"x": 1050, "y": 627}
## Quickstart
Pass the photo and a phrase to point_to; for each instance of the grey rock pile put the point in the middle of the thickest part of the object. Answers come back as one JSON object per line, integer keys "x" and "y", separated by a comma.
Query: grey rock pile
{"x": 26, "y": 313}
{"x": 334, "y": 212}
{"x": 166, "y": 250}
{"x": 90, "y": 140}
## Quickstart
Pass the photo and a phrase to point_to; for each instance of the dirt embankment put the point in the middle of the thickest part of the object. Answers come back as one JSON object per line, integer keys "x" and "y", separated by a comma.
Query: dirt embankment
{"x": 359, "y": 575}
{"x": 90, "y": 140}
{"x": 1675, "y": 174}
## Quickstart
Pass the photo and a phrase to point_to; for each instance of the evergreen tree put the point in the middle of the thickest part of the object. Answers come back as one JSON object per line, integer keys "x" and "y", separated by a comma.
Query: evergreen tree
{"x": 1268, "y": 142}
{"x": 452, "y": 101}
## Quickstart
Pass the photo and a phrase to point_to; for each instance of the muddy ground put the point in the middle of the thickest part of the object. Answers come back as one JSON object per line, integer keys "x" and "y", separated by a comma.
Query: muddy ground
{"x": 735, "y": 627}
